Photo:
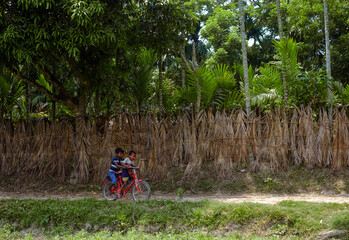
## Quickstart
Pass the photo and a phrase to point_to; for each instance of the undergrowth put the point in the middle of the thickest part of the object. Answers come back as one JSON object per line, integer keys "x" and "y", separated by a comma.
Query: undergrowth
{"x": 295, "y": 180}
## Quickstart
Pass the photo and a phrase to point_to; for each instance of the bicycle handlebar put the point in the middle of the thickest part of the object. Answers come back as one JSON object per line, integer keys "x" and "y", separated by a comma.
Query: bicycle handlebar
{"x": 133, "y": 167}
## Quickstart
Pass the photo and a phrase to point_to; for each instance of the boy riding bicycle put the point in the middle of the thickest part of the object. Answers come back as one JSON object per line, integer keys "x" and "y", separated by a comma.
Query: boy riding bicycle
{"x": 114, "y": 186}
{"x": 116, "y": 165}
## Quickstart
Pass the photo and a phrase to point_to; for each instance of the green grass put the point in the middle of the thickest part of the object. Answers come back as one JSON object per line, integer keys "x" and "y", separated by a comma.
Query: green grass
{"x": 5, "y": 233}
{"x": 168, "y": 219}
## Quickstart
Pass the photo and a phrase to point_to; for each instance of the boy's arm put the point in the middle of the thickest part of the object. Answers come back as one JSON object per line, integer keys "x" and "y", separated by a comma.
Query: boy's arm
{"x": 117, "y": 165}
{"x": 126, "y": 163}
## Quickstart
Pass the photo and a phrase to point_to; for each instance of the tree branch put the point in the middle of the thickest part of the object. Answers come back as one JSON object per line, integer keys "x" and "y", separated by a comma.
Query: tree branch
{"x": 77, "y": 71}
{"x": 58, "y": 98}
{"x": 185, "y": 61}
{"x": 49, "y": 77}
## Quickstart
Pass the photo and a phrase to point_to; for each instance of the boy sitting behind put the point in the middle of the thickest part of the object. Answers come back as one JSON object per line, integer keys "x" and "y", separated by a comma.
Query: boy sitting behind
{"x": 128, "y": 162}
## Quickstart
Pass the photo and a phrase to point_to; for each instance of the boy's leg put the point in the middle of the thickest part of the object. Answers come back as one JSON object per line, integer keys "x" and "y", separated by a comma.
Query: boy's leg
{"x": 113, "y": 177}
{"x": 124, "y": 179}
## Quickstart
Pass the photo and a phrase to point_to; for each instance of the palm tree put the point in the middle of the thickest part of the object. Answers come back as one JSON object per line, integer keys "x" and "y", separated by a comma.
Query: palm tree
{"x": 266, "y": 88}
{"x": 281, "y": 34}
{"x": 341, "y": 91}
{"x": 287, "y": 53}
{"x": 328, "y": 58}
{"x": 218, "y": 88}
{"x": 160, "y": 65}
{"x": 142, "y": 76}
{"x": 193, "y": 68}
{"x": 244, "y": 56}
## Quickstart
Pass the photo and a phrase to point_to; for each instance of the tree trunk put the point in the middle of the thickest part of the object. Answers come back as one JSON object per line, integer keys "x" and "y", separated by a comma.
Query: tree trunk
{"x": 183, "y": 64}
{"x": 53, "y": 111}
{"x": 244, "y": 56}
{"x": 160, "y": 84}
{"x": 278, "y": 9}
{"x": 27, "y": 102}
{"x": 1, "y": 110}
{"x": 80, "y": 172}
{"x": 198, "y": 87}
{"x": 53, "y": 101}
{"x": 328, "y": 60}
{"x": 252, "y": 159}
{"x": 97, "y": 103}
{"x": 281, "y": 34}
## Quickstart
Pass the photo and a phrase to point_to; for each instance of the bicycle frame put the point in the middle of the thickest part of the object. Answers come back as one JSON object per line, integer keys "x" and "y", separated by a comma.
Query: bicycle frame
{"x": 120, "y": 183}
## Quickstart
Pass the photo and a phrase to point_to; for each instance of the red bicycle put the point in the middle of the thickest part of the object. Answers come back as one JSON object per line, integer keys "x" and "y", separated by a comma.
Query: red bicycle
{"x": 139, "y": 188}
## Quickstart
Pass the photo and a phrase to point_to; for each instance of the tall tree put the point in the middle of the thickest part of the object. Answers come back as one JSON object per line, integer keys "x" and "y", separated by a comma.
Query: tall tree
{"x": 244, "y": 56}
{"x": 328, "y": 58}
{"x": 79, "y": 38}
{"x": 281, "y": 35}
{"x": 305, "y": 18}
{"x": 161, "y": 96}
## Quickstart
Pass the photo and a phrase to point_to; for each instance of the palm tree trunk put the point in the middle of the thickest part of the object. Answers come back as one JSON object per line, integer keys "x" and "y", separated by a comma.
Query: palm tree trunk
{"x": 278, "y": 8}
{"x": 244, "y": 56}
{"x": 53, "y": 106}
{"x": 198, "y": 87}
{"x": 252, "y": 160}
{"x": 160, "y": 84}
{"x": 328, "y": 60}
{"x": 281, "y": 34}
{"x": 183, "y": 64}
{"x": 27, "y": 101}
{"x": 53, "y": 101}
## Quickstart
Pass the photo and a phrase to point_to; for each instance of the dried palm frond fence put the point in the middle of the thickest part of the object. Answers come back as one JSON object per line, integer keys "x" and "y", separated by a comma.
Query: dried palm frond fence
{"x": 221, "y": 140}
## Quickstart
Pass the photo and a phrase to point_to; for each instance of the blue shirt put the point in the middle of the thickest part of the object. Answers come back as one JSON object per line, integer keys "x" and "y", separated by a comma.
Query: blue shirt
{"x": 114, "y": 161}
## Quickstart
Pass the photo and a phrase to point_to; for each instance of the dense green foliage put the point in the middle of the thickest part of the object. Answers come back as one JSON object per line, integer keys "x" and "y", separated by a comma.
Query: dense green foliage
{"x": 57, "y": 217}
{"x": 70, "y": 57}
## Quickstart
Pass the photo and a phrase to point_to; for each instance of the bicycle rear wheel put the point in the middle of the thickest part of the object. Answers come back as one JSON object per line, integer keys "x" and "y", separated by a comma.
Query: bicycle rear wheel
{"x": 141, "y": 191}
{"x": 109, "y": 191}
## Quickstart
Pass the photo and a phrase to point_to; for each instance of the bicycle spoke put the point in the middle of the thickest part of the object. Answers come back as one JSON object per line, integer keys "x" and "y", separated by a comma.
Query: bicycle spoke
{"x": 141, "y": 191}
{"x": 109, "y": 191}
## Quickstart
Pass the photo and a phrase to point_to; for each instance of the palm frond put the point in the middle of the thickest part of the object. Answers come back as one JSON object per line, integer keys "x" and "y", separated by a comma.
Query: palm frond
{"x": 142, "y": 76}
{"x": 342, "y": 92}
{"x": 287, "y": 53}
{"x": 42, "y": 81}
{"x": 224, "y": 77}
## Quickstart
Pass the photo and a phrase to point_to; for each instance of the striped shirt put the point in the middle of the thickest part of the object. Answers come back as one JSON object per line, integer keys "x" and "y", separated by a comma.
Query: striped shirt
{"x": 113, "y": 167}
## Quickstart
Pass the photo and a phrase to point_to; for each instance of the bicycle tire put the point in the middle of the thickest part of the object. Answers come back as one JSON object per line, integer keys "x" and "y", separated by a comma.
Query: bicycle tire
{"x": 107, "y": 193}
{"x": 141, "y": 191}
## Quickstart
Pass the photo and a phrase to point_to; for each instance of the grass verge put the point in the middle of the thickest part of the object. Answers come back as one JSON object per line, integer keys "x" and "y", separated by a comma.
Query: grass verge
{"x": 167, "y": 219}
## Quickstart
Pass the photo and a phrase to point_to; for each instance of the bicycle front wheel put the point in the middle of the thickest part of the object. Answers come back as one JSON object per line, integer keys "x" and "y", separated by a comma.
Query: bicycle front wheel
{"x": 141, "y": 191}
{"x": 109, "y": 191}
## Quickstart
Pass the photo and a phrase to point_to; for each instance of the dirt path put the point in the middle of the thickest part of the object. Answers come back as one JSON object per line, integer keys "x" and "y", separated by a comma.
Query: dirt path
{"x": 256, "y": 198}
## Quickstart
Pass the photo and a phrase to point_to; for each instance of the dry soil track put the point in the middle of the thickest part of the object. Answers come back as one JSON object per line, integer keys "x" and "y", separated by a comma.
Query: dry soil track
{"x": 256, "y": 198}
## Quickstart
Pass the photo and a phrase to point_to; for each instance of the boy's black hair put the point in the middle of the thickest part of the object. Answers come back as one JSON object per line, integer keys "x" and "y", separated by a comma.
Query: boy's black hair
{"x": 131, "y": 152}
{"x": 119, "y": 150}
